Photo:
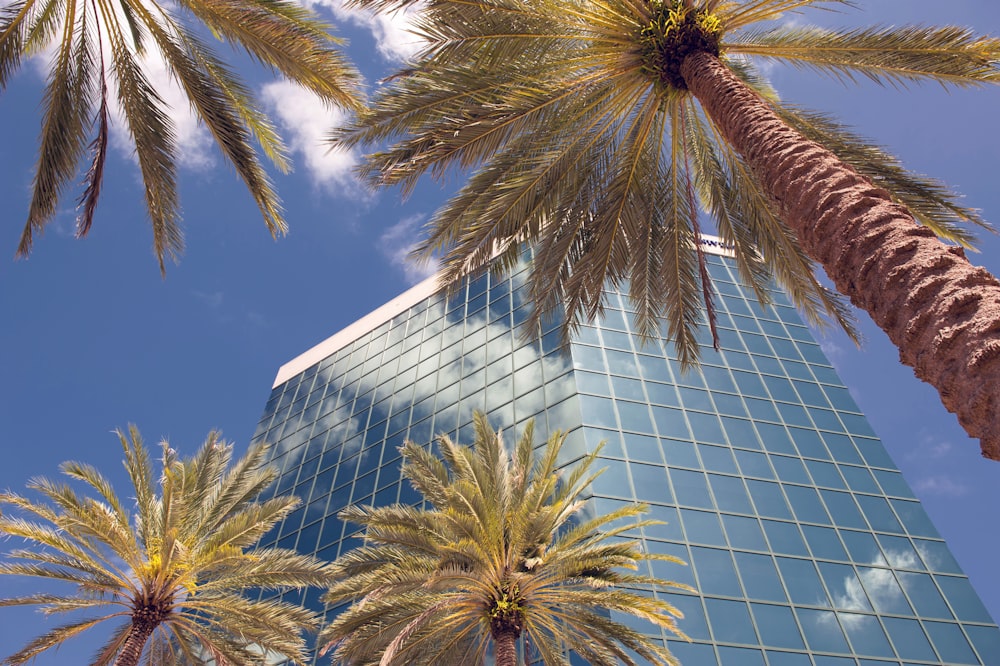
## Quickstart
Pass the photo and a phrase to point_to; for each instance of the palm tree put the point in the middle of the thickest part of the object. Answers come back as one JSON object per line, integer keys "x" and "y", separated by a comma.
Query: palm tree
{"x": 175, "y": 570}
{"x": 98, "y": 57}
{"x": 499, "y": 553}
{"x": 598, "y": 128}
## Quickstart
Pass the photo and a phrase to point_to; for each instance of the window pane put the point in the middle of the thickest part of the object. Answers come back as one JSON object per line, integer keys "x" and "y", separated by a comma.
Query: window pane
{"x": 716, "y": 574}
{"x": 924, "y": 595}
{"x": 790, "y": 469}
{"x": 859, "y": 479}
{"x": 824, "y": 542}
{"x": 776, "y": 438}
{"x": 691, "y": 653}
{"x": 768, "y": 499}
{"x": 936, "y": 556}
{"x": 784, "y": 538}
{"x": 717, "y": 458}
{"x": 734, "y": 656}
{"x": 951, "y": 644}
{"x": 777, "y": 626}
{"x": 744, "y": 533}
{"x": 693, "y": 623}
{"x": 845, "y": 588}
{"x": 915, "y": 518}
{"x": 702, "y": 527}
{"x": 730, "y": 621}
{"x": 680, "y": 454}
{"x": 690, "y": 488}
{"x": 730, "y": 493}
{"x": 909, "y": 639}
{"x": 843, "y": 509}
{"x": 823, "y": 632}
{"x": 866, "y": 634}
{"x": 878, "y": 513}
{"x": 754, "y": 464}
{"x": 807, "y": 505}
{"x": 987, "y": 642}
{"x": 963, "y": 599}
{"x": 862, "y": 547}
{"x": 900, "y": 552}
{"x": 802, "y": 582}
{"x": 884, "y": 591}
{"x": 787, "y": 659}
{"x": 760, "y": 578}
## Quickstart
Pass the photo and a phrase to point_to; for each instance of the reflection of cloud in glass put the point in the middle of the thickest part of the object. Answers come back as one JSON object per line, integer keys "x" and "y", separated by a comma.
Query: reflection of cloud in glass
{"x": 850, "y": 595}
{"x": 458, "y": 365}
{"x": 844, "y": 586}
{"x": 884, "y": 591}
{"x": 937, "y": 556}
{"x": 899, "y": 552}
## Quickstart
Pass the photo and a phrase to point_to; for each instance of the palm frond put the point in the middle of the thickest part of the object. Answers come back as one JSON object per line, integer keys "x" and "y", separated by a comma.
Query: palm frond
{"x": 428, "y": 585}
{"x": 931, "y": 202}
{"x": 951, "y": 56}
{"x": 67, "y": 104}
{"x": 281, "y": 35}
{"x": 181, "y": 553}
{"x": 738, "y": 15}
{"x": 51, "y": 639}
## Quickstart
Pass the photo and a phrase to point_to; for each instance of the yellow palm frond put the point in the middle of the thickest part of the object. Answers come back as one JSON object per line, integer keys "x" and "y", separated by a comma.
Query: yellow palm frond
{"x": 580, "y": 139}
{"x": 432, "y": 586}
{"x": 182, "y": 554}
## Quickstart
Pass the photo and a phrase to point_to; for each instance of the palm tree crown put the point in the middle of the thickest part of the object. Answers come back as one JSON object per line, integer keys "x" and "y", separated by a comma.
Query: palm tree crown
{"x": 599, "y": 129}
{"x": 500, "y": 553}
{"x": 175, "y": 571}
{"x": 98, "y": 56}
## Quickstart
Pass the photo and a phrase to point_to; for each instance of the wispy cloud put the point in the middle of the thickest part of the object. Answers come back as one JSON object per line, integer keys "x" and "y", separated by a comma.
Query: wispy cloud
{"x": 212, "y": 299}
{"x": 306, "y": 121}
{"x": 940, "y": 485}
{"x": 393, "y": 31}
{"x": 833, "y": 351}
{"x": 930, "y": 448}
{"x": 398, "y": 241}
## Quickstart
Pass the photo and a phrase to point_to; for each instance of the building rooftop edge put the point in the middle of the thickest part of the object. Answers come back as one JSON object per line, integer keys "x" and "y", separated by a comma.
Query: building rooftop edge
{"x": 409, "y": 298}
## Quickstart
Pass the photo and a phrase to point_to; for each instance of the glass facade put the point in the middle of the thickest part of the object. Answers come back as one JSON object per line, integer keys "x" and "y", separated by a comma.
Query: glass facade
{"x": 806, "y": 545}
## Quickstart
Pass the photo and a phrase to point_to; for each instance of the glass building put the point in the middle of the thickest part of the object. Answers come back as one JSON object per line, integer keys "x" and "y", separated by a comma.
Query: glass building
{"x": 806, "y": 545}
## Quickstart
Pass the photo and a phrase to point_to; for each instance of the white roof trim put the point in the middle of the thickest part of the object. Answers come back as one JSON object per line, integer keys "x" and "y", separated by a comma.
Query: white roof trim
{"x": 370, "y": 321}
{"x": 403, "y": 302}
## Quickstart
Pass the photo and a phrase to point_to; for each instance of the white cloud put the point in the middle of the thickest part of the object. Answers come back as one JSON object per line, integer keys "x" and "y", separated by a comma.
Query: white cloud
{"x": 930, "y": 448}
{"x": 192, "y": 138}
{"x": 392, "y": 31}
{"x": 833, "y": 351}
{"x": 940, "y": 485}
{"x": 398, "y": 241}
{"x": 306, "y": 121}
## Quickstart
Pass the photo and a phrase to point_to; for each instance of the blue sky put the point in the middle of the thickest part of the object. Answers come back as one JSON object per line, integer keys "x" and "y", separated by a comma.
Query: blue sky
{"x": 92, "y": 338}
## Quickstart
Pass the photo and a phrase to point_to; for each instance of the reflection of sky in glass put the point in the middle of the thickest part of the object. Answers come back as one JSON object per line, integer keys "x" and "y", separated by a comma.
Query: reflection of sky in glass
{"x": 758, "y": 463}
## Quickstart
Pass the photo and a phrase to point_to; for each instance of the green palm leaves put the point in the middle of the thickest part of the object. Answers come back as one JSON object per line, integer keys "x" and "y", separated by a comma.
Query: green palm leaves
{"x": 175, "y": 570}
{"x": 504, "y": 549}
{"x": 583, "y": 140}
{"x": 97, "y": 66}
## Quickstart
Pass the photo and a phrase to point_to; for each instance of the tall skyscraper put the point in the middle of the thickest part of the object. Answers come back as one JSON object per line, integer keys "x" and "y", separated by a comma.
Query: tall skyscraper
{"x": 806, "y": 545}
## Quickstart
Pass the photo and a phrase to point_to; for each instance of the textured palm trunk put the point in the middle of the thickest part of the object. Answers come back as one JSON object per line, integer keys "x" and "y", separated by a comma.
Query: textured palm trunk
{"x": 136, "y": 640}
{"x": 505, "y": 643}
{"x": 940, "y": 311}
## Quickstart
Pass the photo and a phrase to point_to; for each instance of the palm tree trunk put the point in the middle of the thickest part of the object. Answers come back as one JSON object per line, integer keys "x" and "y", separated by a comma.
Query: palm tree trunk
{"x": 136, "y": 640}
{"x": 940, "y": 311}
{"x": 505, "y": 644}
